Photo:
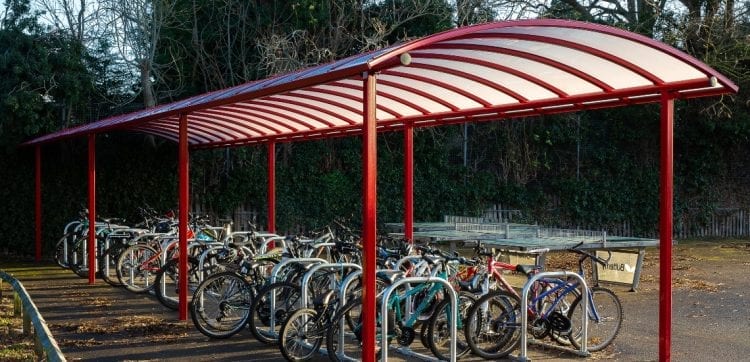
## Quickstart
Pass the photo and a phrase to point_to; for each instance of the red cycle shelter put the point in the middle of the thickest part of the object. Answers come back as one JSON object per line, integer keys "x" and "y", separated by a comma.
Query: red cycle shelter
{"x": 487, "y": 72}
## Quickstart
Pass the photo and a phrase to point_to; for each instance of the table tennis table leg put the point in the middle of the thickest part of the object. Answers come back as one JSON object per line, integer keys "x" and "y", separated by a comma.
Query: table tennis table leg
{"x": 637, "y": 273}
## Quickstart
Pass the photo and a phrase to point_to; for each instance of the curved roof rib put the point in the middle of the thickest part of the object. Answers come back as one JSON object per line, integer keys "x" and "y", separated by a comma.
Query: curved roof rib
{"x": 483, "y": 72}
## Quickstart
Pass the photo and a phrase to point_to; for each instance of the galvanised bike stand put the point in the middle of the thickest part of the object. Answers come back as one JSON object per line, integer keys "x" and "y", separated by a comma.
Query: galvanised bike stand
{"x": 343, "y": 289}
{"x": 309, "y": 274}
{"x": 384, "y": 319}
{"x": 126, "y": 233}
{"x": 304, "y": 286}
{"x": 417, "y": 272}
{"x": 584, "y": 319}
{"x": 163, "y": 258}
{"x": 274, "y": 273}
{"x": 202, "y": 258}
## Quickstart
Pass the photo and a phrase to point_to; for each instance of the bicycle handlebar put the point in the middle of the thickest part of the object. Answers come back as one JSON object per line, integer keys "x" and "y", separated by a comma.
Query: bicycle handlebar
{"x": 593, "y": 257}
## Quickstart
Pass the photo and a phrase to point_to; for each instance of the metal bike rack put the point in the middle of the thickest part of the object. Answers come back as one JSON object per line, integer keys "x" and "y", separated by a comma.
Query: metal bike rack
{"x": 584, "y": 322}
{"x": 202, "y": 257}
{"x": 272, "y": 279}
{"x": 384, "y": 312}
{"x": 99, "y": 227}
{"x": 76, "y": 225}
{"x": 306, "y": 278}
{"x": 117, "y": 233}
{"x": 403, "y": 260}
{"x": 419, "y": 261}
{"x": 267, "y": 238}
{"x": 163, "y": 257}
{"x": 156, "y": 237}
{"x": 342, "y": 291}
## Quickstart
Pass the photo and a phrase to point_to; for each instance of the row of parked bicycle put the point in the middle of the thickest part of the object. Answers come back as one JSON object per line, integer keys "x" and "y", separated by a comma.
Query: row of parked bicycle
{"x": 304, "y": 292}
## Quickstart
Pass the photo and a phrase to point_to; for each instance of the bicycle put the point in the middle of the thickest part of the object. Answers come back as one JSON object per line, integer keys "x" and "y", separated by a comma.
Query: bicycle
{"x": 285, "y": 291}
{"x": 493, "y": 326}
{"x": 410, "y": 306}
{"x": 220, "y": 305}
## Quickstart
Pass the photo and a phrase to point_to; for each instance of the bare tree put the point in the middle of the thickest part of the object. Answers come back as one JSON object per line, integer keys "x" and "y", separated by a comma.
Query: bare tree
{"x": 79, "y": 18}
{"x": 136, "y": 27}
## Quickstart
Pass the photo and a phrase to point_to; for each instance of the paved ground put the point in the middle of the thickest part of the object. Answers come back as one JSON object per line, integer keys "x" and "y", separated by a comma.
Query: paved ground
{"x": 711, "y": 320}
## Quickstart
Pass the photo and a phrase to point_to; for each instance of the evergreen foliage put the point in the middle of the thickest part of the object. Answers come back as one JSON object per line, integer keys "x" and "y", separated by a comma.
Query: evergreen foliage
{"x": 594, "y": 169}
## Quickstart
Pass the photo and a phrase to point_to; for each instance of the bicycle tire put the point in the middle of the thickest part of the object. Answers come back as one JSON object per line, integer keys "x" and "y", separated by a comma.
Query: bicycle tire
{"x": 286, "y": 301}
{"x": 495, "y": 332}
{"x": 565, "y": 307}
{"x": 169, "y": 297}
{"x": 80, "y": 270}
{"x": 220, "y": 305}
{"x": 438, "y": 334}
{"x": 351, "y": 312}
{"x": 77, "y": 258}
{"x": 130, "y": 271}
{"x": 351, "y": 348}
{"x": 294, "y": 342}
{"x": 599, "y": 334}
{"x": 110, "y": 256}
{"x": 60, "y": 257}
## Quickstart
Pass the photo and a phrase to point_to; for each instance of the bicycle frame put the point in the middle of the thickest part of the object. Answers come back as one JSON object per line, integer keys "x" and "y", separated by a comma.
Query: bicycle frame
{"x": 453, "y": 316}
{"x": 397, "y": 299}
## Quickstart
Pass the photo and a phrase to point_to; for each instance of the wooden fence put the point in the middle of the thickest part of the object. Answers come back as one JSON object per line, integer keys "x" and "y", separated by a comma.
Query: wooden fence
{"x": 241, "y": 216}
{"x": 722, "y": 223}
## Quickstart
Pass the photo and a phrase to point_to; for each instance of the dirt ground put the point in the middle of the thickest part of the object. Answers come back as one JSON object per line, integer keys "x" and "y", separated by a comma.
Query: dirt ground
{"x": 711, "y": 315}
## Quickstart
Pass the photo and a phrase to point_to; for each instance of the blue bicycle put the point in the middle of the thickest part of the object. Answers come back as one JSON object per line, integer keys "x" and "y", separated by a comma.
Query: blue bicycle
{"x": 493, "y": 327}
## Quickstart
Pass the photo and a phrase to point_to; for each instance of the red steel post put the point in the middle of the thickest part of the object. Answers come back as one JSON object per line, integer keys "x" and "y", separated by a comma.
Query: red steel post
{"x": 271, "y": 187}
{"x": 38, "y": 203}
{"x": 665, "y": 228}
{"x": 369, "y": 205}
{"x": 409, "y": 183}
{"x": 91, "y": 245}
{"x": 184, "y": 188}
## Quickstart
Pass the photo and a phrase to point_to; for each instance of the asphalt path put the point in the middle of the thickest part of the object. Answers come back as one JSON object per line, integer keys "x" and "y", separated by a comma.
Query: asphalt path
{"x": 711, "y": 316}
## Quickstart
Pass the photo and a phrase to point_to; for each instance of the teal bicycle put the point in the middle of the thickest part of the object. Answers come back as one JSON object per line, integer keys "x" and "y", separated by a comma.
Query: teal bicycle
{"x": 424, "y": 304}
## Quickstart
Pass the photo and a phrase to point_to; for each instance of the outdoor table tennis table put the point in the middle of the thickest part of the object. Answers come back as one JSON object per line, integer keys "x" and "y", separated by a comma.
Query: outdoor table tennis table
{"x": 522, "y": 238}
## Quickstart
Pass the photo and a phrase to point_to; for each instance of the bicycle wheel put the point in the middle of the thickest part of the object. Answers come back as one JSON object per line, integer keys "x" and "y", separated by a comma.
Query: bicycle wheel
{"x": 264, "y": 324}
{"x": 299, "y": 337}
{"x": 564, "y": 307}
{"x": 600, "y": 333}
{"x": 137, "y": 266}
{"x": 346, "y": 346}
{"x": 438, "y": 327}
{"x": 221, "y": 304}
{"x": 78, "y": 258}
{"x": 493, "y": 325}
{"x": 169, "y": 295}
{"x": 108, "y": 264}
{"x": 60, "y": 258}
{"x": 544, "y": 321}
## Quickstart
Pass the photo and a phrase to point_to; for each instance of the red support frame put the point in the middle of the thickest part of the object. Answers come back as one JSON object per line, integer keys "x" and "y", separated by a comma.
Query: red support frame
{"x": 38, "y": 203}
{"x": 91, "y": 245}
{"x": 271, "y": 188}
{"x": 665, "y": 227}
{"x": 184, "y": 193}
{"x": 409, "y": 183}
{"x": 369, "y": 213}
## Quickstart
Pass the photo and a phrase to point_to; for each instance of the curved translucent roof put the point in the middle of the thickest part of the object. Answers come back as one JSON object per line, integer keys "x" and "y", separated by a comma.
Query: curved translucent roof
{"x": 483, "y": 72}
